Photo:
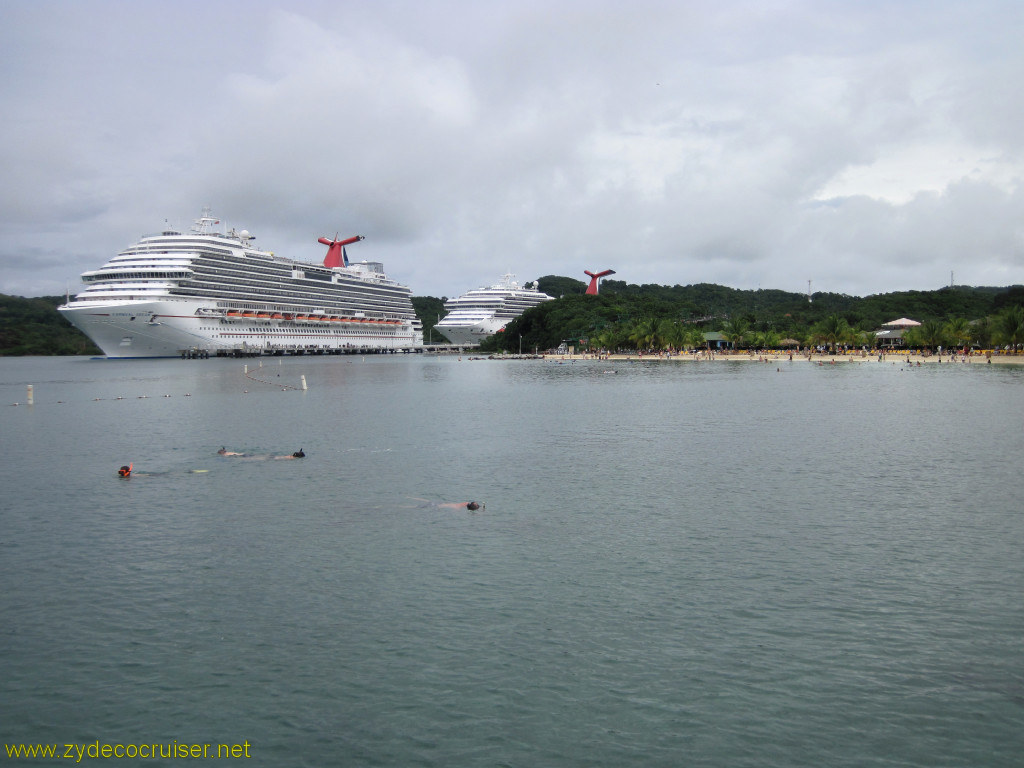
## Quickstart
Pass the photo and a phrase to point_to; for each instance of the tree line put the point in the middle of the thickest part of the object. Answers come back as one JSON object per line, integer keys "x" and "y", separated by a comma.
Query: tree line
{"x": 652, "y": 317}
{"x": 35, "y": 327}
{"x": 625, "y": 316}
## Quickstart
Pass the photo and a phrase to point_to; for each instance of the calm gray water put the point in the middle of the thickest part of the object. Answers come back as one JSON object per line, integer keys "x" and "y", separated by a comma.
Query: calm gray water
{"x": 700, "y": 564}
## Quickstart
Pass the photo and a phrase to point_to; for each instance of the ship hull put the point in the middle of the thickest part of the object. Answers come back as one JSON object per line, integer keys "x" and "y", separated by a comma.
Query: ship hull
{"x": 469, "y": 333}
{"x": 169, "y": 328}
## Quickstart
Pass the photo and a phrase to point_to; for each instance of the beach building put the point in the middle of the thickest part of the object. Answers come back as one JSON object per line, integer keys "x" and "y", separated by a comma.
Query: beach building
{"x": 890, "y": 336}
{"x": 715, "y": 340}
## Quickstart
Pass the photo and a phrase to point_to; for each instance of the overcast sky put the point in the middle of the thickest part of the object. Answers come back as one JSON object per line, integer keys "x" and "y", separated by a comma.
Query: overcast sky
{"x": 867, "y": 146}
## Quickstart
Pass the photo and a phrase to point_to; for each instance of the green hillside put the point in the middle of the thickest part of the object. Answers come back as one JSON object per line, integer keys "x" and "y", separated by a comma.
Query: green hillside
{"x": 626, "y": 315}
{"x": 34, "y": 327}
{"x": 644, "y": 316}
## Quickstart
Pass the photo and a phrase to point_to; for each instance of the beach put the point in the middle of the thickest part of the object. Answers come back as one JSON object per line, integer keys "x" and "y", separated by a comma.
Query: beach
{"x": 887, "y": 358}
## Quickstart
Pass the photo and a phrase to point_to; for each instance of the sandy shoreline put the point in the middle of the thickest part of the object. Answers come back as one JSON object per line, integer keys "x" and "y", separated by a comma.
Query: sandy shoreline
{"x": 894, "y": 358}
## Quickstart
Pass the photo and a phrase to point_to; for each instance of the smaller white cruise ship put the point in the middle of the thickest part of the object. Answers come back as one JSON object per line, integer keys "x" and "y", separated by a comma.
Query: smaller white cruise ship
{"x": 475, "y": 315}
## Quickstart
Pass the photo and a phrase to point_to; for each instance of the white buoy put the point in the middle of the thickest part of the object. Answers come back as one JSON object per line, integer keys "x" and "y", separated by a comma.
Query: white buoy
{"x": 246, "y": 367}
{"x": 31, "y": 395}
{"x": 304, "y": 387}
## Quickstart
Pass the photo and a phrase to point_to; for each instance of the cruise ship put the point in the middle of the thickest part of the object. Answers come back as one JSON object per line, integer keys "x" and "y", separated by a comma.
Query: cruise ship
{"x": 208, "y": 291}
{"x": 479, "y": 313}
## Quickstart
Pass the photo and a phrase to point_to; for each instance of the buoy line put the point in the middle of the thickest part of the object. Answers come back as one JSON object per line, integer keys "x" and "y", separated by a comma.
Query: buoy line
{"x": 248, "y": 375}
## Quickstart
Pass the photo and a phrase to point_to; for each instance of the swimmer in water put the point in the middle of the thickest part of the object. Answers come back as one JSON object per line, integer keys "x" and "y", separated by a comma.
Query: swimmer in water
{"x": 299, "y": 454}
{"x": 128, "y": 473}
{"x": 472, "y": 506}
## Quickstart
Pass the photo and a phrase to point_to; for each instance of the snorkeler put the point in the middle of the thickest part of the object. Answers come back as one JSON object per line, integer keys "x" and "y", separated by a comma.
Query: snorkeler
{"x": 470, "y": 505}
{"x": 299, "y": 454}
{"x": 126, "y": 470}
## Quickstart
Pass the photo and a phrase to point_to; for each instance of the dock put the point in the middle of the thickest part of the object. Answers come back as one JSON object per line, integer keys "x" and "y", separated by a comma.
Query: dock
{"x": 196, "y": 353}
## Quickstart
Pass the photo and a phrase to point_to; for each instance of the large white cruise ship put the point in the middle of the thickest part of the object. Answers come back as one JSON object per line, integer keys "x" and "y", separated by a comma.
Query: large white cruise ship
{"x": 479, "y": 313}
{"x": 209, "y": 292}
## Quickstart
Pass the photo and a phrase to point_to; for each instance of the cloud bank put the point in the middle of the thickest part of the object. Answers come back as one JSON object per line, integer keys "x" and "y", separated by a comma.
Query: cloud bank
{"x": 866, "y": 147}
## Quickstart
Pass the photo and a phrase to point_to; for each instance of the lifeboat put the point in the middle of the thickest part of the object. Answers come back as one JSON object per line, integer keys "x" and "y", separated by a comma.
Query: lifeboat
{"x": 277, "y": 316}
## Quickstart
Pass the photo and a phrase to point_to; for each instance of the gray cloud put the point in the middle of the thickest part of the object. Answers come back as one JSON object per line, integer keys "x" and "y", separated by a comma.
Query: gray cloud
{"x": 867, "y": 147}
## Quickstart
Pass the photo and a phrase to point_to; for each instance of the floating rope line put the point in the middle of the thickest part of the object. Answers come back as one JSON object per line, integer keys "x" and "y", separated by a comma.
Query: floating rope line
{"x": 249, "y": 375}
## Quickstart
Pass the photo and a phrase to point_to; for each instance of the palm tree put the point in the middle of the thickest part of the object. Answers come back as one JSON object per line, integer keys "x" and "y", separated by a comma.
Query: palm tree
{"x": 981, "y": 332}
{"x": 932, "y": 333}
{"x": 765, "y": 339}
{"x": 735, "y": 330}
{"x": 958, "y": 330}
{"x": 602, "y": 339}
{"x": 652, "y": 333}
{"x": 1009, "y": 327}
{"x": 833, "y": 330}
{"x": 644, "y": 332}
{"x": 862, "y": 336}
{"x": 694, "y": 336}
{"x": 668, "y": 332}
{"x": 913, "y": 338}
